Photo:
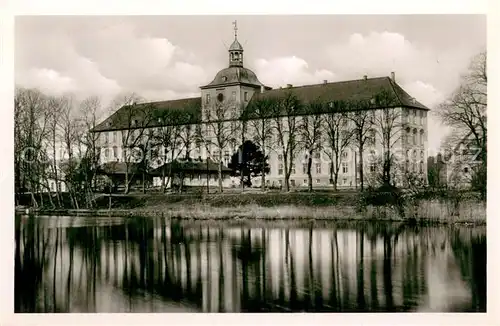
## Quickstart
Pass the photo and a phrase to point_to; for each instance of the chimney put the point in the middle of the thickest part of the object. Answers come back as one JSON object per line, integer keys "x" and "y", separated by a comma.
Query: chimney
{"x": 325, "y": 82}
{"x": 365, "y": 77}
{"x": 262, "y": 88}
{"x": 393, "y": 76}
{"x": 289, "y": 85}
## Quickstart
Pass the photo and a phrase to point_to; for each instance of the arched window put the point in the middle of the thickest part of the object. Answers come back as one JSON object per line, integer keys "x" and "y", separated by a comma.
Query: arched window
{"x": 414, "y": 136}
{"x": 421, "y": 137}
{"x": 408, "y": 135}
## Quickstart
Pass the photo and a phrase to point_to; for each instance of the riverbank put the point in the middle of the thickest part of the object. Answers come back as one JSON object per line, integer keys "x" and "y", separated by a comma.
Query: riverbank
{"x": 318, "y": 206}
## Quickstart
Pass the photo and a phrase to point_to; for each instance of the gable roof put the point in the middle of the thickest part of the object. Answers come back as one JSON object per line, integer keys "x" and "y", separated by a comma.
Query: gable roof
{"x": 188, "y": 110}
{"x": 351, "y": 90}
{"x": 180, "y": 112}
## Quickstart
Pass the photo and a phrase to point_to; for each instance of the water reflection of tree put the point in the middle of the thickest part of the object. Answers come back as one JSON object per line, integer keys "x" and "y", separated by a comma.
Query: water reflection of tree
{"x": 469, "y": 250}
{"x": 191, "y": 265}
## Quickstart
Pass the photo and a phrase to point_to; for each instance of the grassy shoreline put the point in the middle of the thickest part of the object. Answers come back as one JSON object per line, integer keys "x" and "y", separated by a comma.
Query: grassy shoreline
{"x": 282, "y": 206}
{"x": 428, "y": 212}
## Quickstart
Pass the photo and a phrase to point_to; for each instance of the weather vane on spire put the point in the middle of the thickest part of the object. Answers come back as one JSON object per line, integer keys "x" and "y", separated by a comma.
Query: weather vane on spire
{"x": 235, "y": 29}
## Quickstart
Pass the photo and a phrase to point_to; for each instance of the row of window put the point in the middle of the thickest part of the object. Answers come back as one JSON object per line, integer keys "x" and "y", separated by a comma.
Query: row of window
{"x": 345, "y": 182}
{"x": 317, "y": 168}
{"x": 316, "y": 156}
{"x": 414, "y": 137}
{"x": 233, "y": 97}
{"x": 415, "y": 116}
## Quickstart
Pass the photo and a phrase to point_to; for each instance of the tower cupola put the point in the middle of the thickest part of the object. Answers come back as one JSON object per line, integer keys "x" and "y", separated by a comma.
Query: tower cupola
{"x": 235, "y": 50}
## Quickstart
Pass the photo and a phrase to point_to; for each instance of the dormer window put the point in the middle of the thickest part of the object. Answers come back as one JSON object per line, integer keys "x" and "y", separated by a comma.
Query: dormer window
{"x": 224, "y": 78}
{"x": 207, "y": 100}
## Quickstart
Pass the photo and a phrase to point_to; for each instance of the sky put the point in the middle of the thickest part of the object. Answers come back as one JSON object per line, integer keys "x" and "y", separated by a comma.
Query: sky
{"x": 170, "y": 57}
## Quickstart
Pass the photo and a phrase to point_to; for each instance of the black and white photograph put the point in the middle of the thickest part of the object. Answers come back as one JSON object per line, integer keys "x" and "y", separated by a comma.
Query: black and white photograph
{"x": 250, "y": 163}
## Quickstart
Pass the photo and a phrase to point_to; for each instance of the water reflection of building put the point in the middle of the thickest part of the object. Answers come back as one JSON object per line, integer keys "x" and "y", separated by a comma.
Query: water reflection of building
{"x": 151, "y": 266}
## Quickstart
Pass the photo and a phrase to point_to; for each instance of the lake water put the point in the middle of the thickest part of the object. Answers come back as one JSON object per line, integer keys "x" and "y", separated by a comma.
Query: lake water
{"x": 96, "y": 264}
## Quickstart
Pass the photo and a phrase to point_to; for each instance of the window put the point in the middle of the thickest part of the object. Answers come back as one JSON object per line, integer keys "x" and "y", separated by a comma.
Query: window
{"x": 280, "y": 169}
{"x": 106, "y": 153}
{"x": 305, "y": 181}
{"x": 344, "y": 181}
{"x": 207, "y": 101}
{"x": 408, "y": 136}
{"x": 280, "y": 182}
{"x": 304, "y": 168}
{"x": 233, "y": 96}
{"x": 372, "y": 137}
{"x": 318, "y": 168}
{"x": 280, "y": 157}
{"x": 106, "y": 138}
{"x": 466, "y": 170}
{"x": 414, "y": 136}
{"x": 245, "y": 96}
{"x": 318, "y": 181}
{"x": 267, "y": 182}
{"x": 114, "y": 136}
{"x": 292, "y": 183}
{"x": 421, "y": 137}
{"x": 344, "y": 167}
{"x": 293, "y": 169}
{"x": 422, "y": 155}
{"x": 317, "y": 155}
{"x": 345, "y": 154}
{"x": 224, "y": 78}
{"x": 115, "y": 152}
{"x": 421, "y": 167}
{"x": 372, "y": 167}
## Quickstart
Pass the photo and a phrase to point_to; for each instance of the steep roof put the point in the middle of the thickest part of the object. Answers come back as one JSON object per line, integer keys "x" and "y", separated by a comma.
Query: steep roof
{"x": 351, "y": 90}
{"x": 181, "y": 111}
{"x": 193, "y": 166}
{"x": 188, "y": 110}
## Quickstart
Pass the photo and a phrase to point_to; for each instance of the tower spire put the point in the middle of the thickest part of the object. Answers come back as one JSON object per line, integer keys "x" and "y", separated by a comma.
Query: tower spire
{"x": 235, "y": 24}
{"x": 235, "y": 50}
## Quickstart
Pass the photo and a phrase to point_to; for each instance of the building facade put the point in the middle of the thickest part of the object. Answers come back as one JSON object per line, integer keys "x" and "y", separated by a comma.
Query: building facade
{"x": 237, "y": 106}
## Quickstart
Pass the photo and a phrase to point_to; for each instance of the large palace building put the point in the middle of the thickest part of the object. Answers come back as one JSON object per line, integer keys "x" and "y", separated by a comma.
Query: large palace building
{"x": 236, "y": 106}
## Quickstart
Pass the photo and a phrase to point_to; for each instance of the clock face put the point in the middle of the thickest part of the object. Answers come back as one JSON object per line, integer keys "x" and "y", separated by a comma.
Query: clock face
{"x": 220, "y": 97}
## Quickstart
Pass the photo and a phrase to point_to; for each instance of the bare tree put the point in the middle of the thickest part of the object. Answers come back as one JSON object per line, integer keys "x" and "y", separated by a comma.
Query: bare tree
{"x": 285, "y": 123}
{"x": 166, "y": 141}
{"x": 133, "y": 119}
{"x": 221, "y": 130}
{"x": 466, "y": 110}
{"x": 362, "y": 120}
{"x": 388, "y": 124}
{"x": 31, "y": 112}
{"x": 338, "y": 135}
{"x": 310, "y": 134}
{"x": 257, "y": 118}
{"x": 89, "y": 110}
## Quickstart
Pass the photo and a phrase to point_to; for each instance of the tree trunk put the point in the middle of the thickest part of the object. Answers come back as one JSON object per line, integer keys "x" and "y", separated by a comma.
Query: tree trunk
{"x": 220, "y": 175}
{"x": 263, "y": 177}
{"x": 163, "y": 184}
{"x": 126, "y": 179}
{"x": 361, "y": 174}
{"x": 287, "y": 176}
{"x": 143, "y": 182}
{"x": 335, "y": 172}
{"x": 309, "y": 174}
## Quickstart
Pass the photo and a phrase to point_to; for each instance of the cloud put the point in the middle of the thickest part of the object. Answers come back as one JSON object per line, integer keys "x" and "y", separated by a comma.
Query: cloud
{"x": 103, "y": 60}
{"x": 289, "y": 70}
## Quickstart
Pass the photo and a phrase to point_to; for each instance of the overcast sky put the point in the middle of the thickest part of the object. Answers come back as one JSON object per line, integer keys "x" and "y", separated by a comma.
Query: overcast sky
{"x": 168, "y": 57}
